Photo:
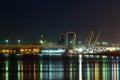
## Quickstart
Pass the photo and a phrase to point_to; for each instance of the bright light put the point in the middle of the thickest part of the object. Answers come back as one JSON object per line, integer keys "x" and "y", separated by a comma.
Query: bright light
{"x": 79, "y": 49}
{"x": 36, "y": 50}
{"x": 57, "y": 51}
{"x": 6, "y": 41}
{"x": 110, "y": 48}
{"x": 98, "y": 43}
{"x": 21, "y": 50}
{"x": 41, "y": 42}
{"x": 19, "y": 41}
{"x": 105, "y": 43}
{"x": 70, "y": 41}
{"x": 80, "y": 67}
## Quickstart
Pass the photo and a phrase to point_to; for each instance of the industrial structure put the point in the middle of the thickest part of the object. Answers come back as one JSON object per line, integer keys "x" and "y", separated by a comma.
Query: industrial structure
{"x": 65, "y": 42}
{"x": 67, "y": 39}
{"x": 92, "y": 39}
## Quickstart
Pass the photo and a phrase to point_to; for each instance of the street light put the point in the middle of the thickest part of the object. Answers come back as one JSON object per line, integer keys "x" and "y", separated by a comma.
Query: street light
{"x": 6, "y": 41}
{"x": 18, "y": 41}
{"x": 41, "y": 42}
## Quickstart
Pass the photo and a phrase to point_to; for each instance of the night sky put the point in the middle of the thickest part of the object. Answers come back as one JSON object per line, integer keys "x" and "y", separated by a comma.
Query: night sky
{"x": 27, "y": 20}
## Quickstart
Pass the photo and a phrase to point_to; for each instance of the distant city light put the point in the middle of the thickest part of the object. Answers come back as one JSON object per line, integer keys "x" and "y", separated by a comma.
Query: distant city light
{"x": 41, "y": 42}
{"x": 41, "y": 36}
{"x": 70, "y": 41}
{"x": 79, "y": 42}
{"x": 98, "y": 43}
{"x": 105, "y": 43}
{"x": 18, "y": 41}
{"x": 6, "y": 41}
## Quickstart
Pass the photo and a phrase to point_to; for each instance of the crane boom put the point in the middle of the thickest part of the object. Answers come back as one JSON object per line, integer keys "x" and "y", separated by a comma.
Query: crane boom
{"x": 89, "y": 38}
{"x": 97, "y": 38}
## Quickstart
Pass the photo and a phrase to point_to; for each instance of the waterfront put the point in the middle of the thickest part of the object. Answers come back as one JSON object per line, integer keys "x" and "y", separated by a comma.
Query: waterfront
{"x": 39, "y": 67}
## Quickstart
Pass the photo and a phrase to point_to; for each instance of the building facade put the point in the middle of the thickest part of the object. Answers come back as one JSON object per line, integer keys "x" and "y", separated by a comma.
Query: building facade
{"x": 67, "y": 39}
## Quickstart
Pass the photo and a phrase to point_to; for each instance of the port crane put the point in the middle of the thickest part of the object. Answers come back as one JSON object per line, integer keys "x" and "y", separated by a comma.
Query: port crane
{"x": 91, "y": 40}
{"x": 97, "y": 38}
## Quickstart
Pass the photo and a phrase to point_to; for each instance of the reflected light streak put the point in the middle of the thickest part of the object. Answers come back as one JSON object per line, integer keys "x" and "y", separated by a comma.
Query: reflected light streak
{"x": 7, "y": 70}
{"x": 41, "y": 66}
{"x": 6, "y": 75}
{"x": 22, "y": 71}
{"x": 112, "y": 70}
{"x": 104, "y": 71}
{"x": 96, "y": 71}
{"x": 80, "y": 67}
{"x": 34, "y": 74}
{"x": 71, "y": 70}
{"x": 115, "y": 71}
{"x": 18, "y": 63}
{"x": 19, "y": 75}
{"x": 88, "y": 71}
{"x": 6, "y": 65}
{"x": 117, "y": 66}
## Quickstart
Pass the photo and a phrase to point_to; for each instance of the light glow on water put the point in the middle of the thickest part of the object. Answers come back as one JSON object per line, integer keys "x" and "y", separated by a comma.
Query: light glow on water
{"x": 80, "y": 67}
{"x": 41, "y": 68}
{"x": 117, "y": 66}
{"x": 22, "y": 69}
{"x": 115, "y": 71}
{"x": 58, "y": 68}
{"x": 6, "y": 70}
{"x": 6, "y": 75}
{"x": 6, "y": 65}
{"x": 71, "y": 76}
{"x": 35, "y": 72}
{"x": 18, "y": 65}
{"x": 88, "y": 72}
{"x": 19, "y": 77}
{"x": 96, "y": 71}
{"x": 104, "y": 71}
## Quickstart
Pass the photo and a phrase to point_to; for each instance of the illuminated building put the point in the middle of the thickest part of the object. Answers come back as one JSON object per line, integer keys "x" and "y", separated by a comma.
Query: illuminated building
{"x": 67, "y": 39}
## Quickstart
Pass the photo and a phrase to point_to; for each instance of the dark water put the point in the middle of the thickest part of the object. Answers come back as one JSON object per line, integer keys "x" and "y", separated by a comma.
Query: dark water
{"x": 37, "y": 67}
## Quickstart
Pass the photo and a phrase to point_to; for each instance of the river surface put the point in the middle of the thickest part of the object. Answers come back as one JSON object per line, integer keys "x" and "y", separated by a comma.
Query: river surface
{"x": 44, "y": 67}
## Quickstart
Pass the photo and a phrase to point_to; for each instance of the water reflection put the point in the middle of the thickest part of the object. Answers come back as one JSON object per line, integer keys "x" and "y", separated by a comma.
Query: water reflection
{"x": 80, "y": 67}
{"x": 102, "y": 68}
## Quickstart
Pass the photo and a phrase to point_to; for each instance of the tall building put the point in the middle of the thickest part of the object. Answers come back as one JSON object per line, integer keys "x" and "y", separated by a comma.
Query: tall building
{"x": 67, "y": 39}
{"x": 61, "y": 39}
{"x": 70, "y": 39}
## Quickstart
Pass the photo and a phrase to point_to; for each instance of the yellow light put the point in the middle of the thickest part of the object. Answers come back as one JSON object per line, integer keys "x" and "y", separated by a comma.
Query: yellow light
{"x": 36, "y": 50}
{"x": 21, "y": 50}
{"x": 7, "y": 51}
{"x": 26, "y": 49}
{"x": 115, "y": 73}
{"x": 29, "y": 50}
{"x": 3, "y": 51}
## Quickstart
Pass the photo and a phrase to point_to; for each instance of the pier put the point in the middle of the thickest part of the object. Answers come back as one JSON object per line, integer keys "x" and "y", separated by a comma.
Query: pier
{"x": 23, "y": 49}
